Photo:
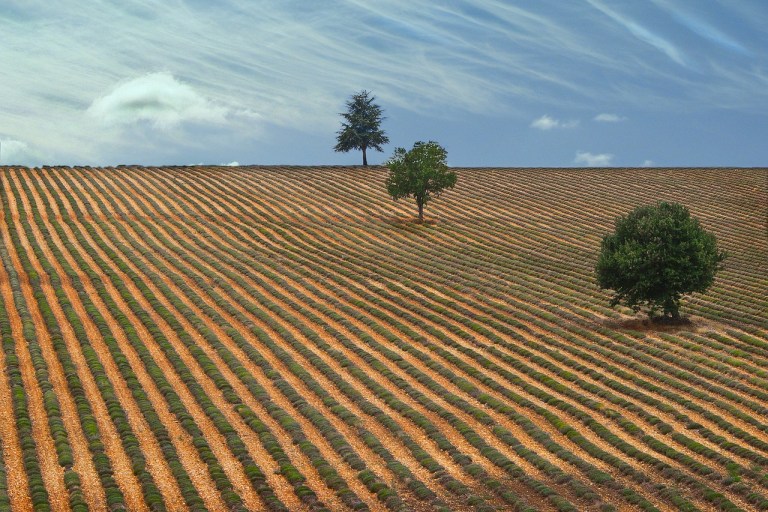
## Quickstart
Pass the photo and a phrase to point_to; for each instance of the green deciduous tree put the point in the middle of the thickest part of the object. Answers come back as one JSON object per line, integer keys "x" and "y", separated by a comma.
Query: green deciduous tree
{"x": 421, "y": 172}
{"x": 361, "y": 128}
{"x": 657, "y": 254}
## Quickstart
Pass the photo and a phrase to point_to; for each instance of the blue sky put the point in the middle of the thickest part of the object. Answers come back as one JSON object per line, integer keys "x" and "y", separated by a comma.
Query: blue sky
{"x": 505, "y": 83}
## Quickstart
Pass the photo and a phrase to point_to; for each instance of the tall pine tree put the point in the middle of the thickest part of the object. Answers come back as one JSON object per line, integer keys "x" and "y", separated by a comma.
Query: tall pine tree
{"x": 361, "y": 128}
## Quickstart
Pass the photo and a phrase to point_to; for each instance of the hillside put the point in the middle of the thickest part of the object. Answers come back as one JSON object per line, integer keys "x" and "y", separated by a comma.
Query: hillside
{"x": 287, "y": 338}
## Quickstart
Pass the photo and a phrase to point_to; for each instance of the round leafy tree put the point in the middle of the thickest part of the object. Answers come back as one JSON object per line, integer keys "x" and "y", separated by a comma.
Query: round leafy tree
{"x": 421, "y": 173}
{"x": 657, "y": 254}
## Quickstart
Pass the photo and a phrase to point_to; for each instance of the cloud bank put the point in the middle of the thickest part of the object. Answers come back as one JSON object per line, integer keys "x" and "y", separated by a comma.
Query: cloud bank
{"x": 157, "y": 98}
{"x": 16, "y": 152}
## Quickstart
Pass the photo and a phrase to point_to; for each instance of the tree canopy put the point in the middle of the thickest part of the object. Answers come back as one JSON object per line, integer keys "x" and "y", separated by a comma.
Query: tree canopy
{"x": 421, "y": 172}
{"x": 361, "y": 128}
{"x": 657, "y": 254}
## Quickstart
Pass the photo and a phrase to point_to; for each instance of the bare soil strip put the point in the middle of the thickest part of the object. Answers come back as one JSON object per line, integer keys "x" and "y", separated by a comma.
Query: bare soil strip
{"x": 525, "y": 464}
{"x": 293, "y": 380}
{"x": 299, "y": 335}
{"x": 294, "y": 332}
{"x": 233, "y": 468}
{"x": 365, "y": 303}
{"x": 188, "y": 455}
{"x": 594, "y": 439}
{"x": 18, "y": 486}
{"x": 53, "y": 473}
{"x": 365, "y": 242}
{"x": 121, "y": 463}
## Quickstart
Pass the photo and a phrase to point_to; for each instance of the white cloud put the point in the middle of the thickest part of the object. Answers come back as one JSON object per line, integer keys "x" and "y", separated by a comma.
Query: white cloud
{"x": 157, "y": 98}
{"x": 592, "y": 160}
{"x": 608, "y": 118}
{"x": 546, "y": 122}
{"x": 16, "y": 152}
{"x": 232, "y": 164}
{"x": 648, "y": 163}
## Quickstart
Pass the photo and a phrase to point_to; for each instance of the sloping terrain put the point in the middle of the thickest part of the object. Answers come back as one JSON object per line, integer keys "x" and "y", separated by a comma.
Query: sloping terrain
{"x": 287, "y": 338}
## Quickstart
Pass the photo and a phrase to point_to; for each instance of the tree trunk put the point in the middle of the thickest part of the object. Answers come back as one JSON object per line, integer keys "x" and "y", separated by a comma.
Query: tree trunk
{"x": 420, "y": 203}
{"x": 365, "y": 158}
{"x": 672, "y": 308}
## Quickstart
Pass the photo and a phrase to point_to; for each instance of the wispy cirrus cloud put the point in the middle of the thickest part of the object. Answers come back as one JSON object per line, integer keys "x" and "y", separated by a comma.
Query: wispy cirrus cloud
{"x": 232, "y": 74}
{"x": 547, "y": 122}
{"x": 642, "y": 33}
{"x": 593, "y": 160}
{"x": 701, "y": 27}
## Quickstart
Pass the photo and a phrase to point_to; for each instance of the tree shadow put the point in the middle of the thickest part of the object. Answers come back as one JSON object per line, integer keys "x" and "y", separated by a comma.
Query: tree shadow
{"x": 660, "y": 324}
{"x": 398, "y": 220}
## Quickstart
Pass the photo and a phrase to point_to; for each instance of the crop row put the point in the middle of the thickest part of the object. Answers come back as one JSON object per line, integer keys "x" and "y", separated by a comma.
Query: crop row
{"x": 290, "y": 365}
{"x": 244, "y": 309}
{"x": 36, "y": 487}
{"x": 367, "y": 478}
{"x": 233, "y": 441}
{"x": 191, "y": 496}
{"x": 57, "y": 429}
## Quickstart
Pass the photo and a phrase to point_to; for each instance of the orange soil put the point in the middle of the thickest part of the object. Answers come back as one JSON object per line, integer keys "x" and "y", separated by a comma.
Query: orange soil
{"x": 501, "y": 221}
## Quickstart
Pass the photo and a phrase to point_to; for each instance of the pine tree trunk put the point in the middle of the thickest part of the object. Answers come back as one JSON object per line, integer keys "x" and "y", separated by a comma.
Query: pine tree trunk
{"x": 365, "y": 158}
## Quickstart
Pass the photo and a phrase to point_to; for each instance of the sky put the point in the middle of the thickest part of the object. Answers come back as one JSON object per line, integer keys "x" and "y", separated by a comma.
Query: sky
{"x": 512, "y": 83}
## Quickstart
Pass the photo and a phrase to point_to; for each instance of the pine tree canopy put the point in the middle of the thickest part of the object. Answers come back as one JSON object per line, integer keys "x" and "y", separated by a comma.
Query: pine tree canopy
{"x": 361, "y": 128}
